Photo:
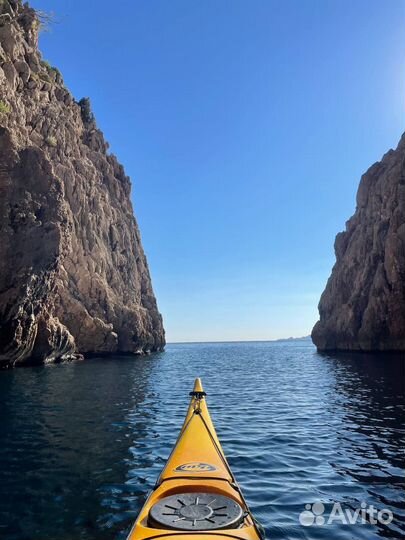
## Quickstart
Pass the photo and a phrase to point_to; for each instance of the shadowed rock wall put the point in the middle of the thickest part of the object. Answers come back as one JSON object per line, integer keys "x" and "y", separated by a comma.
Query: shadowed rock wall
{"x": 363, "y": 305}
{"x": 73, "y": 274}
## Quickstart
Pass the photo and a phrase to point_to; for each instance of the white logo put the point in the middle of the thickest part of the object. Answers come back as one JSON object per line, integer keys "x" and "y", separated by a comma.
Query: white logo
{"x": 313, "y": 515}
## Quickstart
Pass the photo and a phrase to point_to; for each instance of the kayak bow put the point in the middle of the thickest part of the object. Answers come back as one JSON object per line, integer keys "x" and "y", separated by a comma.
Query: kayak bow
{"x": 196, "y": 494}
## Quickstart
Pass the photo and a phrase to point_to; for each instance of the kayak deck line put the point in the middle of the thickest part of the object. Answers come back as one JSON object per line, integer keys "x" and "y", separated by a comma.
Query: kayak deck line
{"x": 196, "y": 492}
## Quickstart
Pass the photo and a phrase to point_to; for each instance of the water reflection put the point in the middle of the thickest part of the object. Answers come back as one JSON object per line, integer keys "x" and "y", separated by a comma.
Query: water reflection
{"x": 82, "y": 444}
{"x": 63, "y": 438}
{"x": 369, "y": 390}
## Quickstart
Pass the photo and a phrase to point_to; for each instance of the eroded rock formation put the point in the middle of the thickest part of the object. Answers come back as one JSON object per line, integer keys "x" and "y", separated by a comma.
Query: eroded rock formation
{"x": 73, "y": 274}
{"x": 363, "y": 305}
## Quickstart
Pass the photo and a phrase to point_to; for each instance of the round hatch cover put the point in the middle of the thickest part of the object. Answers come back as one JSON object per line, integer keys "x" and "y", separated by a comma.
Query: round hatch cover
{"x": 196, "y": 512}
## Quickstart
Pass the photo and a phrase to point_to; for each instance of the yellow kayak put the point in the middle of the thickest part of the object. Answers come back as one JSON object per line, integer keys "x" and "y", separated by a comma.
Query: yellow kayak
{"x": 196, "y": 494}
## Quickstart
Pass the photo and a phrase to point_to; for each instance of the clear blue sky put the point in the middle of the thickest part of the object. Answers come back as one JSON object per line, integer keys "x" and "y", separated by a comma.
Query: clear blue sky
{"x": 245, "y": 126}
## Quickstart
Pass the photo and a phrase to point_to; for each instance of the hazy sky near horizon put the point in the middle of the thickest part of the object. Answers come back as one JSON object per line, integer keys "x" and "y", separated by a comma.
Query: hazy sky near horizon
{"x": 245, "y": 126}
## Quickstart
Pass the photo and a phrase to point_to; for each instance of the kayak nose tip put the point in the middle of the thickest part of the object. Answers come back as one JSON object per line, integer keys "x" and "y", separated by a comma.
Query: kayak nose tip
{"x": 198, "y": 387}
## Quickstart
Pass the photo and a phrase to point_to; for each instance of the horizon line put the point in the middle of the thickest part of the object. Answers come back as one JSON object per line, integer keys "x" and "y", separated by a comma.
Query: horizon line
{"x": 240, "y": 340}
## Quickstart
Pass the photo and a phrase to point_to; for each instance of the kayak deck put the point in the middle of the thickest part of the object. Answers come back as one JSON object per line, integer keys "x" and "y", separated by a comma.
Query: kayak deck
{"x": 196, "y": 493}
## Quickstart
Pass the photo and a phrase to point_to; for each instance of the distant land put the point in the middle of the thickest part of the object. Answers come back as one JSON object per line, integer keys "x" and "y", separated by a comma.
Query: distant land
{"x": 306, "y": 338}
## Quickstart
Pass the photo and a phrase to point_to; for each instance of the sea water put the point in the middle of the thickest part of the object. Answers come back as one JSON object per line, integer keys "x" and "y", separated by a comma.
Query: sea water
{"x": 316, "y": 441}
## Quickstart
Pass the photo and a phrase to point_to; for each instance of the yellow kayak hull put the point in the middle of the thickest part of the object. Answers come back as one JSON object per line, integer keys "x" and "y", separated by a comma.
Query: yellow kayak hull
{"x": 197, "y": 465}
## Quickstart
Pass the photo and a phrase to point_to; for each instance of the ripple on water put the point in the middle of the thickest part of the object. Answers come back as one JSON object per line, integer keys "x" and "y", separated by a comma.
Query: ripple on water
{"x": 81, "y": 444}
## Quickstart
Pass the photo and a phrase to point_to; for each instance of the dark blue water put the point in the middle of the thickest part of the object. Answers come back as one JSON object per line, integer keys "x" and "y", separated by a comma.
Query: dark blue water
{"x": 81, "y": 444}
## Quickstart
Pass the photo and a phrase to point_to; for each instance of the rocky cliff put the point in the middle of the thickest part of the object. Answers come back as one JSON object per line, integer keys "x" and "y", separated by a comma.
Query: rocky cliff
{"x": 363, "y": 305}
{"x": 73, "y": 274}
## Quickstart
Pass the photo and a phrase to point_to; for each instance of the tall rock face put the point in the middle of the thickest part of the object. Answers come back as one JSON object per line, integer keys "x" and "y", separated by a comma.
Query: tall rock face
{"x": 363, "y": 305}
{"x": 73, "y": 274}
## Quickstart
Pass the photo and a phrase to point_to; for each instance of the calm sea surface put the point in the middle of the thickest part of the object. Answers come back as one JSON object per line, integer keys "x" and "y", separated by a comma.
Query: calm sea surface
{"x": 81, "y": 444}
